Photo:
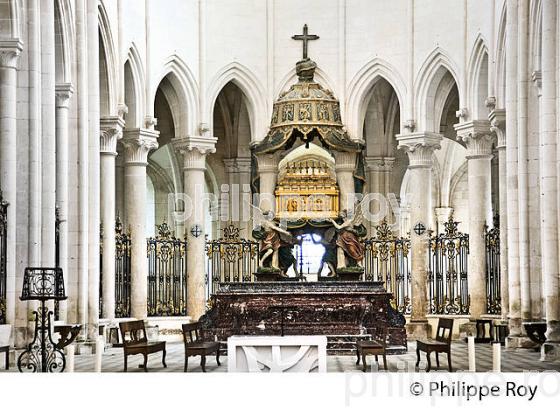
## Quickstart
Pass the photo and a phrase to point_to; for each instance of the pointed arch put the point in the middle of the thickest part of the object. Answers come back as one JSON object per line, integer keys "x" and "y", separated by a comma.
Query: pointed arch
{"x": 111, "y": 60}
{"x": 134, "y": 84}
{"x": 535, "y": 40}
{"x": 359, "y": 90}
{"x": 184, "y": 92}
{"x": 477, "y": 88}
{"x": 65, "y": 28}
{"x": 10, "y": 15}
{"x": 252, "y": 90}
{"x": 436, "y": 66}
{"x": 500, "y": 58}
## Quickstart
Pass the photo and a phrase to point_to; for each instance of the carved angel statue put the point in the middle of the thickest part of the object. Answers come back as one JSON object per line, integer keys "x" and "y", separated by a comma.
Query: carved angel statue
{"x": 273, "y": 238}
{"x": 350, "y": 251}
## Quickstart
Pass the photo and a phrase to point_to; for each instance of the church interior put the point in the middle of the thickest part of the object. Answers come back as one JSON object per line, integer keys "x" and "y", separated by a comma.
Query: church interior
{"x": 279, "y": 186}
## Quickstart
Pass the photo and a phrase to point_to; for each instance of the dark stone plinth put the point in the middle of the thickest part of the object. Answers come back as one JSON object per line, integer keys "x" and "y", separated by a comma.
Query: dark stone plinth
{"x": 303, "y": 308}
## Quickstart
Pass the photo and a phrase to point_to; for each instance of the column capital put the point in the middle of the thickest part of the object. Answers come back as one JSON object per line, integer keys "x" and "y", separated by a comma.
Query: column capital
{"x": 63, "y": 94}
{"x": 344, "y": 161}
{"x": 268, "y": 163}
{"x": 111, "y": 130}
{"x": 194, "y": 149}
{"x": 478, "y": 137}
{"x": 137, "y": 145}
{"x": 10, "y": 50}
{"x": 243, "y": 164}
{"x": 497, "y": 119}
{"x": 379, "y": 163}
{"x": 420, "y": 147}
{"x": 229, "y": 164}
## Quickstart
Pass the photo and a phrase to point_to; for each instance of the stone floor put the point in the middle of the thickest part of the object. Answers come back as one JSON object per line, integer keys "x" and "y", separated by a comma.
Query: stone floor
{"x": 512, "y": 361}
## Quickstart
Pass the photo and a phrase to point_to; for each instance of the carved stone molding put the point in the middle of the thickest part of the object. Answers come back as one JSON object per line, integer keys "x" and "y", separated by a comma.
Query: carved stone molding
{"x": 63, "y": 94}
{"x": 344, "y": 161}
{"x": 478, "y": 137}
{"x": 268, "y": 162}
{"x": 379, "y": 163}
{"x": 420, "y": 147}
{"x": 9, "y": 52}
{"x": 243, "y": 164}
{"x": 497, "y": 119}
{"x": 111, "y": 130}
{"x": 194, "y": 150}
{"x": 137, "y": 145}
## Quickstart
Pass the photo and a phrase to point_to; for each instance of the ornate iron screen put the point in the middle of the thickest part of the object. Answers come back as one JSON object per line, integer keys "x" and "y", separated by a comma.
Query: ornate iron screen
{"x": 447, "y": 271}
{"x": 3, "y": 251}
{"x": 386, "y": 260}
{"x": 493, "y": 280}
{"x": 167, "y": 274}
{"x": 122, "y": 270}
{"x": 230, "y": 259}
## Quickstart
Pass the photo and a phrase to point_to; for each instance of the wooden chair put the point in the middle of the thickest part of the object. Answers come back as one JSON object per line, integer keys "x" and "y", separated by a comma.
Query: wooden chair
{"x": 441, "y": 344}
{"x": 134, "y": 341}
{"x": 6, "y": 350}
{"x": 196, "y": 346}
{"x": 377, "y": 346}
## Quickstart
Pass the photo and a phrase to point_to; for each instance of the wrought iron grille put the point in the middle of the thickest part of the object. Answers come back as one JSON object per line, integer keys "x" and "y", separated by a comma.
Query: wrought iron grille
{"x": 447, "y": 271}
{"x": 3, "y": 251}
{"x": 167, "y": 274}
{"x": 387, "y": 260}
{"x": 230, "y": 259}
{"x": 122, "y": 270}
{"x": 493, "y": 280}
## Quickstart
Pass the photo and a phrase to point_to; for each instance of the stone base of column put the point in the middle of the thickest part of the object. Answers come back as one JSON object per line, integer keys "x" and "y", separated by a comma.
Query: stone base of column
{"x": 418, "y": 329}
{"x": 519, "y": 342}
{"x": 550, "y": 351}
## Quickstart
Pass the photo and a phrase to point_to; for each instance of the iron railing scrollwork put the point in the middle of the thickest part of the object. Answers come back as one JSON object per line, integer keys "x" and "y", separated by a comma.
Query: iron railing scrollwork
{"x": 122, "y": 270}
{"x": 167, "y": 274}
{"x": 230, "y": 259}
{"x": 3, "y": 256}
{"x": 387, "y": 260}
{"x": 448, "y": 290}
{"x": 493, "y": 280}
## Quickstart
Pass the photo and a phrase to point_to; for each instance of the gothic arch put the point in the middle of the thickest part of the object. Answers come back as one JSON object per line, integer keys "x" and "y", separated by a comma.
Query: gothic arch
{"x": 107, "y": 43}
{"x": 251, "y": 88}
{"x": 535, "y": 30}
{"x": 184, "y": 91}
{"x": 65, "y": 50}
{"x": 359, "y": 90}
{"x": 10, "y": 13}
{"x": 427, "y": 82}
{"x": 477, "y": 89}
{"x": 500, "y": 74}
{"x": 134, "y": 85}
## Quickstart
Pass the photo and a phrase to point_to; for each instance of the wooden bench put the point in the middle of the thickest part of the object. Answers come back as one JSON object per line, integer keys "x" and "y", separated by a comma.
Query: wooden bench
{"x": 196, "y": 346}
{"x": 377, "y": 346}
{"x": 6, "y": 350}
{"x": 441, "y": 344}
{"x": 135, "y": 342}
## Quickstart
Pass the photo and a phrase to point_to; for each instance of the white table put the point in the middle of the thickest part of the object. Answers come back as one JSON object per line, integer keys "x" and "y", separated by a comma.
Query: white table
{"x": 277, "y": 354}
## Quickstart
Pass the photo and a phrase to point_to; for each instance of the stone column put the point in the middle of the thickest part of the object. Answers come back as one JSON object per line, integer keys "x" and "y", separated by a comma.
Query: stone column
{"x": 498, "y": 125}
{"x": 515, "y": 327}
{"x": 194, "y": 150}
{"x": 420, "y": 148}
{"x": 549, "y": 180}
{"x": 442, "y": 216}
{"x": 111, "y": 132}
{"x": 137, "y": 144}
{"x": 479, "y": 139}
{"x": 227, "y": 200}
{"x": 63, "y": 94}
{"x": 9, "y": 53}
{"x": 244, "y": 179}
{"x": 374, "y": 167}
{"x": 345, "y": 165}
{"x": 268, "y": 173}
